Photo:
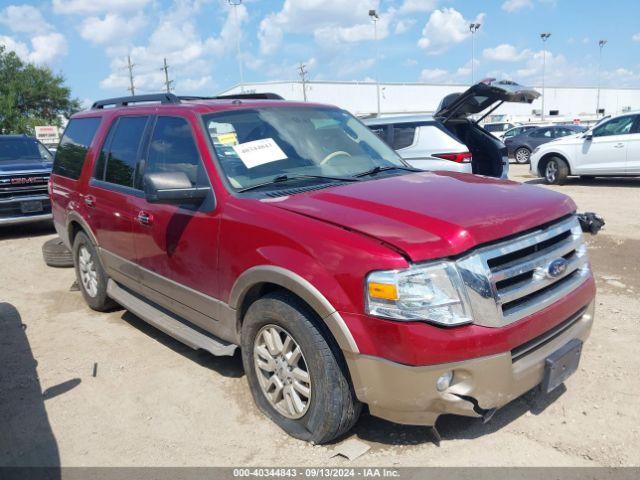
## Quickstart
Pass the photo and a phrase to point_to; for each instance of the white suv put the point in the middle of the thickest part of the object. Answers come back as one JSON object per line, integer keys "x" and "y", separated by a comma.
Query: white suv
{"x": 611, "y": 148}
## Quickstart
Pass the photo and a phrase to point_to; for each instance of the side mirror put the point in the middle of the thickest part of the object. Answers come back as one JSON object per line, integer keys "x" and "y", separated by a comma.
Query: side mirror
{"x": 173, "y": 188}
{"x": 588, "y": 136}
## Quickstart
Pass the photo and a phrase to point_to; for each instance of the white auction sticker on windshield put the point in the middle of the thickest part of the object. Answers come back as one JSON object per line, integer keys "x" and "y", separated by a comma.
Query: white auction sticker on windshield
{"x": 259, "y": 152}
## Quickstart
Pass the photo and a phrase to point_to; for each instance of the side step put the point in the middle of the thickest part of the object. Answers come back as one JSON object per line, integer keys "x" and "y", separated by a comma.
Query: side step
{"x": 168, "y": 323}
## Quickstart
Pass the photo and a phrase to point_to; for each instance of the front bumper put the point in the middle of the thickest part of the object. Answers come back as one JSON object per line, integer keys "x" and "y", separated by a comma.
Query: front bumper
{"x": 11, "y": 214}
{"x": 25, "y": 219}
{"x": 408, "y": 395}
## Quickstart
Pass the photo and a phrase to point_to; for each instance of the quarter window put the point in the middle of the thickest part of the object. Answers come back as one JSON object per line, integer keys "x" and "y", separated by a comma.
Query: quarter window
{"x": 616, "y": 126}
{"x": 74, "y": 145}
{"x": 120, "y": 153}
{"x": 541, "y": 133}
{"x": 403, "y": 136}
{"x": 173, "y": 149}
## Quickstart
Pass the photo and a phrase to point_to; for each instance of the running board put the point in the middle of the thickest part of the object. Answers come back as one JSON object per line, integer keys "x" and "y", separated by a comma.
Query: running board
{"x": 169, "y": 324}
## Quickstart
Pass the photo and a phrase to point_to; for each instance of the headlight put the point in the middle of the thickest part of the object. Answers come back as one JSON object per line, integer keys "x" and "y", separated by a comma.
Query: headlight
{"x": 431, "y": 293}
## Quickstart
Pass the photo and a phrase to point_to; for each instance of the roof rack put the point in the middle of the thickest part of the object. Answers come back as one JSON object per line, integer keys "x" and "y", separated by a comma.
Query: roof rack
{"x": 170, "y": 98}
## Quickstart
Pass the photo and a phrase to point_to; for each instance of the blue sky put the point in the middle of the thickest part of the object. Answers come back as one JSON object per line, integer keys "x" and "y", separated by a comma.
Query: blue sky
{"x": 419, "y": 40}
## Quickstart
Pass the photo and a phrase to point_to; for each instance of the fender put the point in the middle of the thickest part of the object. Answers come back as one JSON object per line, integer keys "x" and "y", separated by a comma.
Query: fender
{"x": 302, "y": 288}
{"x": 73, "y": 216}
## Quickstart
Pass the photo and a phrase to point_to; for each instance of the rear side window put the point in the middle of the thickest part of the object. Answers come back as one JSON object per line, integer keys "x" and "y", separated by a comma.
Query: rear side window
{"x": 541, "y": 133}
{"x": 173, "y": 149}
{"x": 403, "y": 136}
{"x": 74, "y": 145}
{"x": 380, "y": 131}
{"x": 120, "y": 153}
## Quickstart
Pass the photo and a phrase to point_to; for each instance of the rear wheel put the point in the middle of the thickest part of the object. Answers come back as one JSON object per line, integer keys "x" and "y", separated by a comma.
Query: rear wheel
{"x": 91, "y": 277}
{"x": 556, "y": 171}
{"x": 296, "y": 375}
{"x": 522, "y": 155}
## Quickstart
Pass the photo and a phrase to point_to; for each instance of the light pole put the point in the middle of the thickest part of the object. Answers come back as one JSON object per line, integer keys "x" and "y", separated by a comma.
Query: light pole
{"x": 601, "y": 44}
{"x": 374, "y": 18}
{"x": 473, "y": 28}
{"x": 235, "y": 4}
{"x": 544, "y": 36}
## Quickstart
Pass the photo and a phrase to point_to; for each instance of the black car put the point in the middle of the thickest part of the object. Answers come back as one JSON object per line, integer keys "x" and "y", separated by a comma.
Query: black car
{"x": 521, "y": 146}
{"x": 25, "y": 166}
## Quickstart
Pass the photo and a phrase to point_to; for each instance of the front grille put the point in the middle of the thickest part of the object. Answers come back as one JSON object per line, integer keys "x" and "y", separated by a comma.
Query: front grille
{"x": 9, "y": 193}
{"x": 23, "y": 184}
{"x": 513, "y": 279}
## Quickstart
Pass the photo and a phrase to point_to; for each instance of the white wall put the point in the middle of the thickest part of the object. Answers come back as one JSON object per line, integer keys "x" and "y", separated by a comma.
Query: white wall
{"x": 360, "y": 98}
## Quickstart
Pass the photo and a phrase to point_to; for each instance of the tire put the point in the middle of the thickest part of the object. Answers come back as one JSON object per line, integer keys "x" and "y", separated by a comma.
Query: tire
{"x": 555, "y": 171}
{"x": 522, "y": 155}
{"x": 331, "y": 408}
{"x": 56, "y": 254}
{"x": 90, "y": 270}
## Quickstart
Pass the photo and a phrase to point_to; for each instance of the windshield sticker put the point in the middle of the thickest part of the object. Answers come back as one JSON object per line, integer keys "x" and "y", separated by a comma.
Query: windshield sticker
{"x": 259, "y": 152}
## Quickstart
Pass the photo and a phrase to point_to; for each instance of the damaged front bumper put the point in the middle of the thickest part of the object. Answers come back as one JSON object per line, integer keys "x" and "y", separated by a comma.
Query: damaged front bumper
{"x": 408, "y": 395}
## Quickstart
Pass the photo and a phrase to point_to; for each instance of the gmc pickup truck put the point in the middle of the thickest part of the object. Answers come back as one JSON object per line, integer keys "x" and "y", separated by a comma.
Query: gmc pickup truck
{"x": 25, "y": 166}
{"x": 346, "y": 277}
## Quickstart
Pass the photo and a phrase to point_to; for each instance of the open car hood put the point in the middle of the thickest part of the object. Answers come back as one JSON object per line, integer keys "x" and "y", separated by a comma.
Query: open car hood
{"x": 483, "y": 95}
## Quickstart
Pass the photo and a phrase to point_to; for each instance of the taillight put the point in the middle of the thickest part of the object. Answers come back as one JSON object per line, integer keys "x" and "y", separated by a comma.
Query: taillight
{"x": 464, "y": 157}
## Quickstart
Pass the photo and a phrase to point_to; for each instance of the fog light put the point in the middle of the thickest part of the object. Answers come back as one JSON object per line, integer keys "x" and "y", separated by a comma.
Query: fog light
{"x": 444, "y": 381}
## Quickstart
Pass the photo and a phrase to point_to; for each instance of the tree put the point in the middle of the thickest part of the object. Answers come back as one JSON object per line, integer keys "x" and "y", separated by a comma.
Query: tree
{"x": 31, "y": 95}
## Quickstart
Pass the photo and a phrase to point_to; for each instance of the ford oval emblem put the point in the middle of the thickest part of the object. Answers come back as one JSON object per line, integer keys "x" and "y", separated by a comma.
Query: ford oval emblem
{"x": 557, "y": 267}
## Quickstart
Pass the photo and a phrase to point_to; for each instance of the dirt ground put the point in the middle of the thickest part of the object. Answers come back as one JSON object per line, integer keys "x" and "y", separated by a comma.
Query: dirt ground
{"x": 81, "y": 388}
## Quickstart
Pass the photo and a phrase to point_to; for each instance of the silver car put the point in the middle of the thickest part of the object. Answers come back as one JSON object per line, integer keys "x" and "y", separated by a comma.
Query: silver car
{"x": 422, "y": 142}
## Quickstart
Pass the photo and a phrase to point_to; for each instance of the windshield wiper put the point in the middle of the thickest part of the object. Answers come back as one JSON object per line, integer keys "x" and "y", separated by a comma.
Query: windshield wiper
{"x": 377, "y": 169}
{"x": 287, "y": 178}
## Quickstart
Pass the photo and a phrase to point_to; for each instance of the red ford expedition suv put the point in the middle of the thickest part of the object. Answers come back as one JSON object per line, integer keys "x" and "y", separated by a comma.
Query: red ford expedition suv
{"x": 345, "y": 277}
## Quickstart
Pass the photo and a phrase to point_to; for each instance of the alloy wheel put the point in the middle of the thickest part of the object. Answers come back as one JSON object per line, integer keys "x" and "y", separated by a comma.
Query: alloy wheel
{"x": 88, "y": 273}
{"x": 551, "y": 171}
{"x": 282, "y": 371}
{"x": 522, "y": 155}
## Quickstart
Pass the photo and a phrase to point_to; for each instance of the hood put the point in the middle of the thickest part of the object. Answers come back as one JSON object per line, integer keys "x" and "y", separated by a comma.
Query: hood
{"x": 481, "y": 96}
{"x": 16, "y": 167}
{"x": 432, "y": 214}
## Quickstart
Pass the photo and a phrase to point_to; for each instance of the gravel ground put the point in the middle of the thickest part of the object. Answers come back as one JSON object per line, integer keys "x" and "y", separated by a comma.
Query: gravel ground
{"x": 81, "y": 388}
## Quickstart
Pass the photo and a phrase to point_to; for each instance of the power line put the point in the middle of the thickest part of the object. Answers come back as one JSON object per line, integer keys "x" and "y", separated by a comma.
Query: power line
{"x": 303, "y": 77}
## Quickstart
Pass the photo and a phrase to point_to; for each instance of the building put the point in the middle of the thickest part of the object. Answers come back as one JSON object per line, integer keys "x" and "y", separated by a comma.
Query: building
{"x": 561, "y": 103}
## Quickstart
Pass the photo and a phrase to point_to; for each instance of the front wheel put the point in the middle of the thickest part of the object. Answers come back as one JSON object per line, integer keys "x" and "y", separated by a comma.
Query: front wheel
{"x": 522, "y": 155}
{"x": 556, "y": 171}
{"x": 295, "y": 374}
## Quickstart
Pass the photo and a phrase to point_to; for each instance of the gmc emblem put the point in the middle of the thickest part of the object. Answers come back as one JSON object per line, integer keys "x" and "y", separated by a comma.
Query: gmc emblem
{"x": 28, "y": 180}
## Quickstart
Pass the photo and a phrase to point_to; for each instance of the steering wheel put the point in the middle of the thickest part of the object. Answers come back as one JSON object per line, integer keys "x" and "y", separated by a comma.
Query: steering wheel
{"x": 333, "y": 155}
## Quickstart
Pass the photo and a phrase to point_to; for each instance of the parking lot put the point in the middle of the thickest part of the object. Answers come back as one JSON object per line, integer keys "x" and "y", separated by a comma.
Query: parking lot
{"x": 98, "y": 389}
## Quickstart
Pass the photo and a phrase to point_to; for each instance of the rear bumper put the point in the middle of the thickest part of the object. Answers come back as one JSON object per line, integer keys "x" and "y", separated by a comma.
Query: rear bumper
{"x": 408, "y": 395}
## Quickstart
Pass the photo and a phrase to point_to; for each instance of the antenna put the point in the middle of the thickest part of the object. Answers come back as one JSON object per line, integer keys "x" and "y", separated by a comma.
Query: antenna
{"x": 303, "y": 77}
{"x": 167, "y": 82}
{"x": 132, "y": 87}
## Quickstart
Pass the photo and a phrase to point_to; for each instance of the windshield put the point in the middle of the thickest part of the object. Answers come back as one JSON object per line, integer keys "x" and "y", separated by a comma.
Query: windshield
{"x": 256, "y": 145}
{"x": 17, "y": 149}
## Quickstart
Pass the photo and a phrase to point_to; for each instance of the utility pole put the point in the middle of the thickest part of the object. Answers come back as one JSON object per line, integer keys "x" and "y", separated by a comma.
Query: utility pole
{"x": 303, "y": 77}
{"x": 167, "y": 82}
{"x": 601, "y": 44}
{"x": 473, "y": 28}
{"x": 235, "y": 4}
{"x": 132, "y": 87}
{"x": 374, "y": 18}
{"x": 544, "y": 37}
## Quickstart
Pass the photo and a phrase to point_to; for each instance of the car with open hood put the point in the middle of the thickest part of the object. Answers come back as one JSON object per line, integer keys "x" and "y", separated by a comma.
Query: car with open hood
{"x": 345, "y": 276}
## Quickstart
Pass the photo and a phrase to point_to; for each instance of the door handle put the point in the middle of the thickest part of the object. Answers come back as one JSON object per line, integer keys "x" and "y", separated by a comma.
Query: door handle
{"x": 618, "y": 145}
{"x": 144, "y": 218}
{"x": 89, "y": 200}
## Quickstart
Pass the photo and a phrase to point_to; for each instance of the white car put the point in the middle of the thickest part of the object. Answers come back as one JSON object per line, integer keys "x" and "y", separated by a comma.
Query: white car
{"x": 498, "y": 129}
{"x": 611, "y": 148}
{"x": 422, "y": 142}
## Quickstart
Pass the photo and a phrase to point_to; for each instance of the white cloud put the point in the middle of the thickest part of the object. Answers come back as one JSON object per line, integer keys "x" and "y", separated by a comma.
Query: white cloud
{"x": 413, "y": 6}
{"x": 516, "y": 5}
{"x": 505, "y": 53}
{"x": 636, "y": 37}
{"x": 44, "y": 48}
{"x": 445, "y": 28}
{"x": 24, "y": 19}
{"x": 353, "y": 68}
{"x": 111, "y": 29}
{"x": 94, "y": 7}
{"x": 437, "y": 75}
{"x": 329, "y": 21}
{"x": 404, "y": 25}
